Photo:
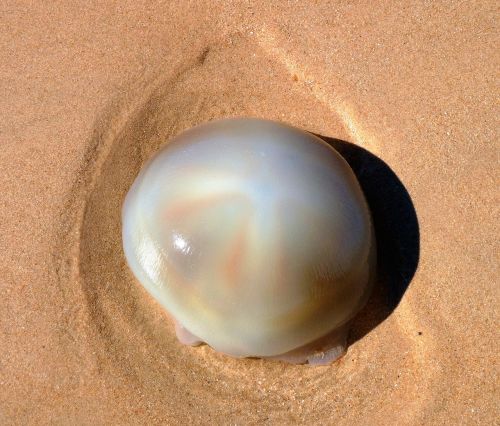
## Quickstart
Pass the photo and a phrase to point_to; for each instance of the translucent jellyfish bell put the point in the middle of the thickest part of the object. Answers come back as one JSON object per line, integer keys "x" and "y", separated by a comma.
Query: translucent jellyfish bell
{"x": 255, "y": 236}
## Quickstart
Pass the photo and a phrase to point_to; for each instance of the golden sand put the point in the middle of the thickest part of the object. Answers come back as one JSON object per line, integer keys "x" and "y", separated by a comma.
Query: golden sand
{"x": 90, "y": 92}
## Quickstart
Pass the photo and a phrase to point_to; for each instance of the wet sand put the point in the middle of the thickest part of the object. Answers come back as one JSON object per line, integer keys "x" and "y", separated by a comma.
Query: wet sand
{"x": 405, "y": 93}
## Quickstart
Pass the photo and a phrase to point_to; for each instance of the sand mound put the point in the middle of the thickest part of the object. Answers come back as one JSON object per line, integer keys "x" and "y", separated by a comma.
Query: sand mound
{"x": 132, "y": 334}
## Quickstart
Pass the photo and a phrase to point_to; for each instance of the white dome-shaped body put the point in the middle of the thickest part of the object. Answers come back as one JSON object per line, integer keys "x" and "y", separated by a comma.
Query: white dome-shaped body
{"x": 254, "y": 235}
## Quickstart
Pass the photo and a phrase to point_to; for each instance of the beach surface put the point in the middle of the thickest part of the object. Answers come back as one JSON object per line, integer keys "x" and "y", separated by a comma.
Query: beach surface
{"x": 406, "y": 91}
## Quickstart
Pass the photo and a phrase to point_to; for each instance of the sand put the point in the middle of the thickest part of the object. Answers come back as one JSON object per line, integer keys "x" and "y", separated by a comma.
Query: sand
{"x": 405, "y": 90}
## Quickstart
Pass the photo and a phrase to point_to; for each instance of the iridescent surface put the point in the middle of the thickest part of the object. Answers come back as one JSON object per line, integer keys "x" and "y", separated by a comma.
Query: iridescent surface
{"x": 254, "y": 235}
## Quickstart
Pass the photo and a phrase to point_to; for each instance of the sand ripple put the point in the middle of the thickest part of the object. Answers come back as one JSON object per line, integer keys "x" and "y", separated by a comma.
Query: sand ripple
{"x": 134, "y": 337}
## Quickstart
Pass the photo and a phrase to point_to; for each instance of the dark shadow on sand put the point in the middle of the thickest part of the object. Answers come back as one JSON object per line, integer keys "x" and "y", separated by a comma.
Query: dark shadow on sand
{"x": 396, "y": 230}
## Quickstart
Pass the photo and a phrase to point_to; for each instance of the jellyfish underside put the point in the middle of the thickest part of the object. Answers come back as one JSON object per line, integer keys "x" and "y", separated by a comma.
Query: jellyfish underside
{"x": 320, "y": 352}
